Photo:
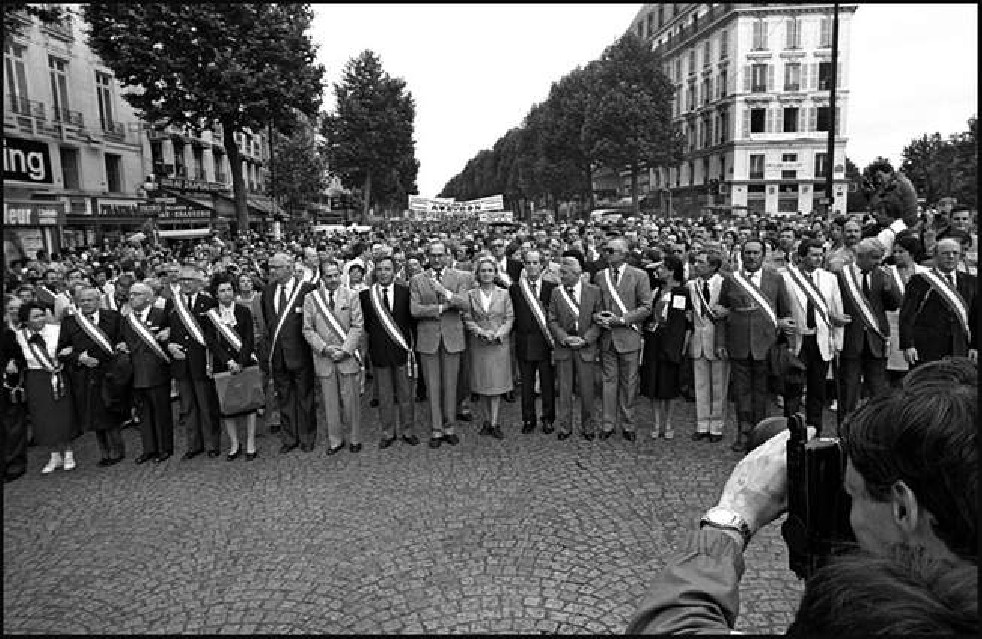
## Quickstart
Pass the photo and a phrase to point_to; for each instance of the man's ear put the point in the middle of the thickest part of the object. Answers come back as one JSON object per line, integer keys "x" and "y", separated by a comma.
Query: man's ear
{"x": 908, "y": 514}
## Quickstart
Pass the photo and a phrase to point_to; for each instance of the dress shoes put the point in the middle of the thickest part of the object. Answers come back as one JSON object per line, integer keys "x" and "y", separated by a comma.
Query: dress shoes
{"x": 562, "y": 436}
{"x": 214, "y": 453}
{"x": 548, "y": 428}
{"x": 630, "y": 435}
{"x": 285, "y": 448}
{"x": 435, "y": 442}
{"x": 496, "y": 432}
{"x": 528, "y": 428}
{"x": 191, "y": 454}
{"x": 697, "y": 436}
{"x": 669, "y": 434}
{"x": 373, "y": 403}
{"x": 145, "y": 457}
{"x": 355, "y": 448}
{"x": 605, "y": 434}
{"x": 738, "y": 446}
{"x": 453, "y": 439}
{"x": 274, "y": 428}
{"x": 510, "y": 397}
{"x": 465, "y": 415}
{"x": 335, "y": 450}
{"x": 713, "y": 439}
{"x": 412, "y": 440}
{"x": 162, "y": 457}
{"x": 589, "y": 436}
{"x": 251, "y": 456}
{"x": 485, "y": 428}
{"x": 232, "y": 456}
{"x": 385, "y": 443}
{"x": 306, "y": 448}
{"x": 105, "y": 462}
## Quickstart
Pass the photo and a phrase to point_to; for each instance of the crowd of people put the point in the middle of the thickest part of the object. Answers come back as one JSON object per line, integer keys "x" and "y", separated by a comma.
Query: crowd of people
{"x": 438, "y": 320}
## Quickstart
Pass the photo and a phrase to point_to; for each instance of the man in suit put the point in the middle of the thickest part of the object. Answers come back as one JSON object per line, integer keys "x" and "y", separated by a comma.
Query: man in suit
{"x": 392, "y": 362}
{"x": 464, "y": 368}
{"x": 144, "y": 331}
{"x": 754, "y": 303}
{"x": 90, "y": 341}
{"x": 332, "y": 325}
{"x": 437, "y": 297}
{"x": 626, "y": 301}
{"x": 571, "y": 311}
{"x": 189, "y": 354}
{"x": 291, "y": 362}
{"x": 938, "y": 322}
{"x": 868, "y": 293}
{"x": 816, "y": 307}
{"x": 533, "y": 350}
{"x": 711, "y": 372}
{"x": 508, "y": 269}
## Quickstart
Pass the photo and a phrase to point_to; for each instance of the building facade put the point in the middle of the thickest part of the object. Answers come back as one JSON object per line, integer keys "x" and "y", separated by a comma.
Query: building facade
{"x": 752, "y": 99}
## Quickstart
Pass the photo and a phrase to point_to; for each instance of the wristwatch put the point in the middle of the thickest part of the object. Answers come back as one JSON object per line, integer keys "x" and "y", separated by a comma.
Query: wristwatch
{"x": 718, "y": 517}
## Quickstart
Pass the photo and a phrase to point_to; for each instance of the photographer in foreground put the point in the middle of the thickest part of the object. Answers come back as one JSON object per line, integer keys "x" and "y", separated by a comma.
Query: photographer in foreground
{"x": 912, "y": 475}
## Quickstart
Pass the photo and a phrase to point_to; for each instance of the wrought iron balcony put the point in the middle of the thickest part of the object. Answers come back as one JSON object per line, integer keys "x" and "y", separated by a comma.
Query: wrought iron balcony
{"x": 68, "y": 116}
{"x": 24, "y": 106}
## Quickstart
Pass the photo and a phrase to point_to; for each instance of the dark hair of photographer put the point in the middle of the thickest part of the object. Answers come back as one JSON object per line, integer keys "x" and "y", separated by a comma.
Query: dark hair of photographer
{"x": 916, "y": 452}
{"x": 906, "y": 593}
{"x": 674, "y": 264}
{"x": 909, "y": 241}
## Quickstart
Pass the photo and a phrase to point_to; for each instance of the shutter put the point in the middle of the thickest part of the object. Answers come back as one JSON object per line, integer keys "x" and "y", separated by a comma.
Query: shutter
{"x": 746, "y": 122}
{"x": 763, "y": 34}
{"x": 709, "y": 89}
{"x": 838, "y": 120}
{"x": 789, "y": 30}
{"x": 746, "y": 78}
{"x": 826, "y": 33}
{"x": 812, "y": 119}
{"x": 731, "y": 81}
{"x": 802, "y": 119}
{"x": 769, "y": 120}
{"x": 838, "y": 75}
{"x": 770, "y": 78}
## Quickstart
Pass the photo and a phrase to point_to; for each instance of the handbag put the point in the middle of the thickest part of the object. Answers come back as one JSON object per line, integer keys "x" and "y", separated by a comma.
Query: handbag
{"x": 241, "y": 393}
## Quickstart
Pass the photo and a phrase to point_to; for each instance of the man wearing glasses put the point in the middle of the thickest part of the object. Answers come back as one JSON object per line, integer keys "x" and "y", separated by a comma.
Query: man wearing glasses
{"x": 626, "y": 302}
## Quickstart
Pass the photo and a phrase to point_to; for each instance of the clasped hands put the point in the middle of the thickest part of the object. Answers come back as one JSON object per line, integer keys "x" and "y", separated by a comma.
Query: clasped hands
{"x": 487, "y": 335}
{"x": 336, "y": 353}
{"x": 574, "y": 342}
{"x": 608, "y": 320}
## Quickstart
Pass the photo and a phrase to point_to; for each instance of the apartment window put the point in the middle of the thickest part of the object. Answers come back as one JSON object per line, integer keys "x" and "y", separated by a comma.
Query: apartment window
{"x": 706, "y": 53}
{"x": 758, "y": 78}
{"x": 824, "y": 119}
{"x": 104, "y": 92}
{"x": 821, "y": 166}
{"x": 721, "y": 83}
{"x": 757, "y": 166}
{"x": 16, "y": 77}
{"x": 199, "y": 164}
{"x": 69, "y": 167}
{"x": 724, "y": 44}
{"x": 707, "y": 131}
{"x": 707, "y": 90}
{"x": 661, "y": 16}
{"x": 724, "y": 117}
{"x": 692, "y": 96}
{"x": 180, "y": 169}
{"x": 825, "y": 32}
{"x": 114, "y": 177}
{"x": 789, "y": 174}
{"x": 824, "y": 76}
{"x": 678, "y": 68}
{"x": 790, "y": 121}
{"x": 58, "y": 70}
{"x": 760, "y": 35}
{"x": 793, "y": 31}
{"x": 641, "y": 29}
{"x": 705, "y": 170}
{"x": 789, "y": 157}
{"x": 695, "y": 21}
{"x": 692, "y": 61}
{"x": 651, "y": 22}
{"x": 792, "y": 76}
{"x": 692, "y": 173}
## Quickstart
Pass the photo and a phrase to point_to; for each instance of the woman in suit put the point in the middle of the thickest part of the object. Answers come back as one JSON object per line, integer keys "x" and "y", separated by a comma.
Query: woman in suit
{"x": 665, "y": 338}
{"x": 249, "y": 296}
{"x": 488, "y": 319}
{"x": 227, "y": 358}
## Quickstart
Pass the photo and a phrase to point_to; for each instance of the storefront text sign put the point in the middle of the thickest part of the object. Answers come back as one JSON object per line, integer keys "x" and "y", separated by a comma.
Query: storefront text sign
{"x": 33, "y": 213}
{"x": 26, "y": 161}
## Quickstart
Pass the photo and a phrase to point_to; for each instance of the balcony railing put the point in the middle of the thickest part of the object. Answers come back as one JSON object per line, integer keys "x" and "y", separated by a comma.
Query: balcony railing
{"x": 198, "y": 175}
{"x": 24, "y": 106}
{"x": 221, "y": 178}
{"x": 114, "y": 130}
{"x": 792, "y": 87}
{"x": 69, "y": 117}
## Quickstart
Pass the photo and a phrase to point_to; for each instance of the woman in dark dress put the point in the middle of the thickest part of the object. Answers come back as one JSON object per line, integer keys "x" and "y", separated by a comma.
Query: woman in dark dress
{"x": 665, "y": 337}
{"x": 231, "y": 357}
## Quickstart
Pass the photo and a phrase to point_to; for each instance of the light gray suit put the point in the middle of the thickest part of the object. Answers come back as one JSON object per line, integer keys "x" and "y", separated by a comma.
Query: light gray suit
{"x": 563, "y": 323}
{"x": 711, "y": 374}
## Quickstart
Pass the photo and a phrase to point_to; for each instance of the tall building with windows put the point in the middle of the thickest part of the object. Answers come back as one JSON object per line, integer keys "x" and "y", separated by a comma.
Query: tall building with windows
{"x": 752, "y": 99}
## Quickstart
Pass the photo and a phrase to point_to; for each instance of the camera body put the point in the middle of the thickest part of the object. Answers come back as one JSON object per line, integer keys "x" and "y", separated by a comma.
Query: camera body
{"x": 817, "y": 526}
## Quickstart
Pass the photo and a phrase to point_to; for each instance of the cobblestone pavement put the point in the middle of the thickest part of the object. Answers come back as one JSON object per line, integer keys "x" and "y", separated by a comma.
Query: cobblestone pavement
{"x": 527, "y": 535}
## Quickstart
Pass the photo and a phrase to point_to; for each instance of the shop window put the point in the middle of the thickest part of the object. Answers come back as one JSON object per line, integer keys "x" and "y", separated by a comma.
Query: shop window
{"x": 114, "y": 177}
{"x": 757, "y": 166}
{"x": 69, "y": 167}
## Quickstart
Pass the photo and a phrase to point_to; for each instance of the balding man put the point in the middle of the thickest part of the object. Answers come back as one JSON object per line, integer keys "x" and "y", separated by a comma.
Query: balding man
{"x": 290, "y": 360}
{"x": 626, "y": 301}
{"x": 310, "y": 269}
{"x": 867, "y": 294}
{"x": 939, "y": 317}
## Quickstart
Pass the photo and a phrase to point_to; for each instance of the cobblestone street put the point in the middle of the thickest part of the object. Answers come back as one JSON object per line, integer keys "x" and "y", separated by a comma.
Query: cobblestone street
{"x": 524, "y": 535}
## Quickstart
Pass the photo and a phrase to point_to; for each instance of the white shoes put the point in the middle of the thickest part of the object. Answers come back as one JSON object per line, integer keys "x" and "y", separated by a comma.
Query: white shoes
{"x": 53, "y": 463}
{"x": 669, "y": 434}
{"x": 69, "y": 460}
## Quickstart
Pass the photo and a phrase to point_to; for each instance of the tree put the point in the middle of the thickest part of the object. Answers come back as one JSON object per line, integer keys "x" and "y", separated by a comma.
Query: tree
{"x": 965, "y": 165}
{"x": 631, "y": 124}
{"x": 299, "y": 166}
{"x": 16, "y": 13}
{"x": 370, "y": 137}
{"x": 238, "y": 65}
{"x": 926, "y": 163}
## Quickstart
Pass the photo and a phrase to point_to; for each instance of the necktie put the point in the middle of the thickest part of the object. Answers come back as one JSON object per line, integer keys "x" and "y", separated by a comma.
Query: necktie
{"x": 951, "y": 280}
{"x": 388, "y": 300}
{"x": 810, "y": 312}
{"x": 866, "y": 285}
{"x": 617, "y": 276}
{"x": 571, "y": 292}
{"x": 330, "y": 300}
{"x": 705, "y": 298}
{"x": 283, "y": 299}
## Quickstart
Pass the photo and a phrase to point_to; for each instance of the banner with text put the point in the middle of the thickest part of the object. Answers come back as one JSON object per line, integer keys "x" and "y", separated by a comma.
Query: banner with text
{"x": 449, "y": 206}
{"x": 496, "y": 216}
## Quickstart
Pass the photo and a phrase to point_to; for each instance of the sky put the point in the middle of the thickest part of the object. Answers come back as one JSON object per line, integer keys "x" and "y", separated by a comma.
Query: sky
{"x": 475, "y": 70}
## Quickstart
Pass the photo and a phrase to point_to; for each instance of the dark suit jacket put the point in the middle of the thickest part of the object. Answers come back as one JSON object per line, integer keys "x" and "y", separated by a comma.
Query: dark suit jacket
{"x": 513, "y": 268}
{"x": 221, "y": 350}
{"x": 884, "y": 296}
{"x": 930, "y": 326}
{"x": 291, "y": 350}
{"x": 750, "y": 332}
{"x": 530, "y": 344}
{"x": 383, "y": 349}
{"x": 194, "y": 364}
{"x": 148, "y": 369}
{"x": 72, "y": 334}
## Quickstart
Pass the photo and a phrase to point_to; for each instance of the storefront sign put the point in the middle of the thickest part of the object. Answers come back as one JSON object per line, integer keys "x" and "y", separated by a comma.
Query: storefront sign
{"x": 120, "y": 209}
{"x": 181, "y": 184}
{"x": 33, "y": 213}
{"x": 26, "y": 161}
{"x": 183, "y": 212}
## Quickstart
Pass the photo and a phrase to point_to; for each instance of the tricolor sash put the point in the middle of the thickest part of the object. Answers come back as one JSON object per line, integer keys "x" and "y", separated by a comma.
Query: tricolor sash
{"x": 694, "y": 286}
{"x": 223, "y": 329}
{"x": 332, "y": 321}
{"x": 617, "y": 298}
{"x": 811, "y": 292}
{"x": 284, "y": 312}
{"x": 537, "y": 312}
{"x": 388, "y": 323}
{"x": 94, "y": 332}
{"x": 952, "y": 299}
{"x": 188, "y": 320}
{"x": 571, "y": 304}
{"x": 758, "y": 295}
{"x": 109, "y": 301}
{"x": 144, "y": 334}
{"x": 894, "y": 271}
{"x": 47, "y": 363}
{"x": 505, "y": 279}
{"x": 859, "y": 300}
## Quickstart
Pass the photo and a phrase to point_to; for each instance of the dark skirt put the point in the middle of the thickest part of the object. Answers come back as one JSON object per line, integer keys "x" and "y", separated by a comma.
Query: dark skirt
{"x": 52, "y": 421}
{"x": 659, "y": 377}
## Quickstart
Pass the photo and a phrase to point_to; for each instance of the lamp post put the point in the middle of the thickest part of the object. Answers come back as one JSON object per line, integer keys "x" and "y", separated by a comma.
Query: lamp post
{"x": 830, "y": 150}
{"x": 150, "y": 186}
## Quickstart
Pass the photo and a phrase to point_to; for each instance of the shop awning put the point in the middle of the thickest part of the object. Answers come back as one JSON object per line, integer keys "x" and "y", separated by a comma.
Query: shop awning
{"x": 184, "y": 234}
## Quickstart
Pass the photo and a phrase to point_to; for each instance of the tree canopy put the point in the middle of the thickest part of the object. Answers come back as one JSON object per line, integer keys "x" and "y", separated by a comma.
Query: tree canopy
{"x": 942, "y": 167}
{"x": 240, "y": 65}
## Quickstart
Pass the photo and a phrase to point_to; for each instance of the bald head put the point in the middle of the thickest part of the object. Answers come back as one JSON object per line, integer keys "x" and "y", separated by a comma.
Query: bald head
{"x": 280, "y": 268}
